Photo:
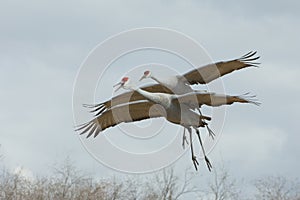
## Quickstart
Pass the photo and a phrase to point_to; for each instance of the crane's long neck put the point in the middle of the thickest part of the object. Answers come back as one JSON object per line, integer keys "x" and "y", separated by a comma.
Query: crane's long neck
{"x": 148, "y": 95}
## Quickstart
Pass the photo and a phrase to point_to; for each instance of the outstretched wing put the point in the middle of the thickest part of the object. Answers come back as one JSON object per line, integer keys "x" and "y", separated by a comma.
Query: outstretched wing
{"x": 125, "y": 98}
{"x": 195, "y": 100}
{"x": 125, "y": 113}
{"x": 213, "y": 71}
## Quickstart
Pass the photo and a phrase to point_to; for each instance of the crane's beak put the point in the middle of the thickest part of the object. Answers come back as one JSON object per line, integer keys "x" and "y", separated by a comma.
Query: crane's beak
{"x": 120, "y": 84}
{"x": 143, "y": 77}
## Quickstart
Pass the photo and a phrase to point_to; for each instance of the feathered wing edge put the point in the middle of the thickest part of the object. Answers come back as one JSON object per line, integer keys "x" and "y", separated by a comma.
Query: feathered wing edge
{"x": 248, "y": 59}
{"x": 250, "y": 99}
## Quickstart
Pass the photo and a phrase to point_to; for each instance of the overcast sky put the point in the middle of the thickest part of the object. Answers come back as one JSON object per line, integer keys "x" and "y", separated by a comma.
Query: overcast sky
{"x": 44, "y": 43}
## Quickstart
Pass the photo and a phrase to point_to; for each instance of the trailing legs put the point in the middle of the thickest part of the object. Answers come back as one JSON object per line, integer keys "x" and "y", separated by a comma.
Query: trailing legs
{"x": 209, "y": 166}
{"x": 194, "y": 159}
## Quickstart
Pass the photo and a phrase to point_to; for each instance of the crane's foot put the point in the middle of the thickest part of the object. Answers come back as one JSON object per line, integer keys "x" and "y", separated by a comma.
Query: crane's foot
{"x": 195, "y": 162}
{"x": 209, "y": 166}
{"x": 210, "y": 132}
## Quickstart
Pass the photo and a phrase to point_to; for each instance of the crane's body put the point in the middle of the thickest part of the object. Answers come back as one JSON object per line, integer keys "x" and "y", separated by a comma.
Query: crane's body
{"x": 176, "y": 112}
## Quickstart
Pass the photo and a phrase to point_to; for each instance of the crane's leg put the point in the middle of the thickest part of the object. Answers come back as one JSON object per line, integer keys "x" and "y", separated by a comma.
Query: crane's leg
{"x": 194, "y": 159}
{"x": 209, "y": 166}
{"x": 210, "y": 132}
{"x": 184, "y": 139}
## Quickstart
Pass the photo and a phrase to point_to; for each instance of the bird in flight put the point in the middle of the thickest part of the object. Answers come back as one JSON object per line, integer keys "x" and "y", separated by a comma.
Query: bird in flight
{"x": 177, "y": 109}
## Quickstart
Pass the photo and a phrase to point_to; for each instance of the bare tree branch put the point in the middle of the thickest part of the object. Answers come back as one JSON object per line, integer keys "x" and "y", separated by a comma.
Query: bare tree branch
{"x": 277, "y": 188}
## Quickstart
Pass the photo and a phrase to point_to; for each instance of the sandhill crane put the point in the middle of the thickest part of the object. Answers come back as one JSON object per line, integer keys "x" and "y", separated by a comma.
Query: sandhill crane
{"x": 182, "y": 84}
{"x": 201, "y": 75}
{"x": 177, "y": 109}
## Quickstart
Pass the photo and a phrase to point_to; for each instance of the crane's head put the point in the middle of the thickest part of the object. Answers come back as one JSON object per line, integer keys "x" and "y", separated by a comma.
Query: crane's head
{"x": 147, "y": 74}
{"x": 124, "y": 83}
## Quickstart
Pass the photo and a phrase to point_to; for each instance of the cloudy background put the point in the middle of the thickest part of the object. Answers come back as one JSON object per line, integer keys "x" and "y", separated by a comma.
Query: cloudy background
{"x": 44, "y": 43}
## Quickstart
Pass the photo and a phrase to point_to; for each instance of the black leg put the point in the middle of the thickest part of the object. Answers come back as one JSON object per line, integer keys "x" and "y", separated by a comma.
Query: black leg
{"x": 209, "y": 166}
{"x": 194, "y": 159}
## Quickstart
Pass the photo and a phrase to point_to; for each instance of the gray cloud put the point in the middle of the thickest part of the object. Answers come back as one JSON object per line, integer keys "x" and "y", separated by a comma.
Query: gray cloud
{"x": 43, "y": 45}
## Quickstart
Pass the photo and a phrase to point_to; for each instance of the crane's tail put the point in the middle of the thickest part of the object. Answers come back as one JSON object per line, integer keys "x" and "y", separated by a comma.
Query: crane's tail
{"x": 203, "y": 117}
